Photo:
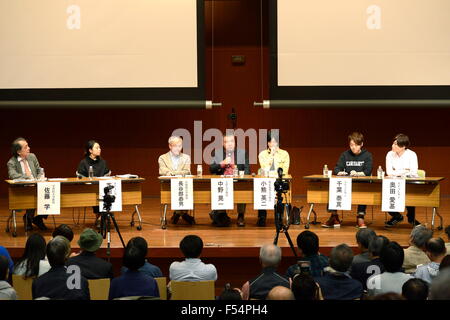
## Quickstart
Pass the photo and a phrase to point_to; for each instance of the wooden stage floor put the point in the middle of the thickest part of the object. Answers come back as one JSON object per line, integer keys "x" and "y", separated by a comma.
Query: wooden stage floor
{"x": 220, "y": 242}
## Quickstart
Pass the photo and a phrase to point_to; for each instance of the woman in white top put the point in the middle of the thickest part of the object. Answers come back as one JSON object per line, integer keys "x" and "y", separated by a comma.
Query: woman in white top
{"x": 401, "y": 161}
{"x": 33, "y": 262}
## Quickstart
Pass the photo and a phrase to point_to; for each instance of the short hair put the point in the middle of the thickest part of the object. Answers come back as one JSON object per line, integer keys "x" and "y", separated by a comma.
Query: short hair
{"x": 387, "y": 296}
{"x": 392, "y": 257}
{"x": 63, "y": 230}
{"x": 58, "y": 250}
{"x": 270, "y": 255}
{"x": 341, "y": 258}
{"x": 415, "y": 289}
{"x": 273, "y": 134}
{"x": 280, "y": 293}
{"x": 16, "y": 146}
{"x": 230, "y": 294}
{"x": 140, "y": 243}
{"x": 89, "y": 145}
{"x": 436, "y": 246}
{"x": 364, "y": 236}
{"x": 173, "y": 139}
{"x": 191, "y": 246}
{"x": 377, "y": 244}
{"x": 445, "y": 263}
{"x": 4, "y": 267}
{"x": 440, "y": 286}
{"x": 402, "y": 140}
{"x": 447, "y": 231}
{"x": 304, "y": 287}
{"x": 133, "y": 257}
{"x": 308, "y": 242}
{"x": 420, "y": 235}
{"x": 357, "y": 138}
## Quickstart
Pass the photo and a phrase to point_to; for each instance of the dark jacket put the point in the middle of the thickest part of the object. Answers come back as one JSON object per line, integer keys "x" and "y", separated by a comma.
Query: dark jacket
{"x": 339, "y": 287}
{"x": 362, "y": 272}
{"x": 318, "y": 263}
{"x": 133, "y": 283}
{"x": 349, "y": 161}
{"x": 53, "y": 285}
{"x": 240, "y": 158}
{"x": 266, "y": 281}
{"x": 91, "y": 266}
{"x": 98, "y": 165}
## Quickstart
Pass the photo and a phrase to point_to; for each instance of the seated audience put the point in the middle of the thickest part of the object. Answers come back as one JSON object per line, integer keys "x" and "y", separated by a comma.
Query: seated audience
{"x": 415, "y": 289}
{"x": 33, "y": 262}
{"x": 440, "y": 286}
{"x": 436, "y": 251}
{"x": 362, "y": 271}
{"x": 92, "y": 267}
{"x": 393, "y": 278}
{"x": 63, "y": 230}
{"x": 445, "y": 262}
{"x": 4, "y": 252}
{"x": 259, "y": 287}
{"x": 308, "y": 247}
{"x": 148, "y": 268}
{"x": 54, "y": 283}
{"x": 192, "y": 268}
{"x": 230, "y": 293}
{"x": 363, "y": 237}
{"x": 132, "y": 282}
{"x": 6, "y": 291}
{"x": 280, "y": 293}
{"x": 305, "y": 288}
{"x": 447, "y": 244}
{"x": 414, "y": 254}
{"x": 337, "y": 284}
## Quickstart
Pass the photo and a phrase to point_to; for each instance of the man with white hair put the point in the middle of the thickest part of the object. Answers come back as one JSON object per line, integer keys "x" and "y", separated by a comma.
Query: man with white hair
{"x": 415, "y": 253}
{"x": 260, "y": 286}
{"x": 176, "y": 163}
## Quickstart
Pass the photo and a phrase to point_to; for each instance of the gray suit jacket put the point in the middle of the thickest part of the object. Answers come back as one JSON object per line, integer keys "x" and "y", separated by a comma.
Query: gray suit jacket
{"x": 15, "y": 169}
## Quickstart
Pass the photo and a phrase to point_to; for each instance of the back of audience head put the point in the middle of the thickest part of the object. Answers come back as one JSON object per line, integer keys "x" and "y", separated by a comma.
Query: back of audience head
{"x": 341, "y": 258}
{"x": 4, "y": 268}
{"x": 270, "y": 255}
{"x": 133, "y": 257}
{"x": 420, "y": 235}
{"x": 34, "y": 252}
{"x": 387, "y": 296}
{"x": 440, "y": 286}
{"x": 308, "y": 243}
{"x": 63, "y": 230}
{"x": 280, "y": 293}
{"x": 191, "y": 246}
{"x": 230, "y": 293}
{"x": 377, "y": 244}
{"x": 445, "y": 263}
{"x": 139, "y": 242}
{"x": 415, "y": 289}
{"x": 58, "y": 250}
{"x": 435, "y": 248}
{"x": 392, "y": 257}
{"x": 304, "y": 287}
{"x": 363, "y": 237}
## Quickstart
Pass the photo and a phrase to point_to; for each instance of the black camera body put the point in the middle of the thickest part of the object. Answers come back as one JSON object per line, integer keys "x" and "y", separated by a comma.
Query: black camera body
{"x": 108, "y": 199}
{"x": 281, "y": 186}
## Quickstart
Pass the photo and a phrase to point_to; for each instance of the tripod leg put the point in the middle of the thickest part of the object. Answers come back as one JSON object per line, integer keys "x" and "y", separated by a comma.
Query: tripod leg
{"x": 290, "y": 242}
{"x": 311, "y": 209}
{"x": 117, "y": 229}
{"x": 275, "y": 241}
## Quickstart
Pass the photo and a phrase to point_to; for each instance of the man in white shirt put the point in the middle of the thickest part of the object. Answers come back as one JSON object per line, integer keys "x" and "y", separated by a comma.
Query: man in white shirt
{"x": 192, "y": 268}
{"x": 402, "y": 162}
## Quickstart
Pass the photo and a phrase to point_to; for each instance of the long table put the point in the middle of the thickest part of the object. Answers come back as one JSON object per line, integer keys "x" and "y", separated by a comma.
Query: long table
{"x": 243, "y": 191}
{"x": 420, "y": 192}
{"x": 75, "y": 193}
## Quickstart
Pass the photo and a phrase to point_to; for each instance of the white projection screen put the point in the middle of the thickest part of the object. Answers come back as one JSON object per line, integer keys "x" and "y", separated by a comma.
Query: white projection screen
{"x": 101, "y": 44}
{"x": 351, "y": 43}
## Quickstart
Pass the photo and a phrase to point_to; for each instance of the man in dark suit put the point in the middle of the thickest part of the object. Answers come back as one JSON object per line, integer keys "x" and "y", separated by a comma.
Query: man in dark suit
{"x": 91, "y": 266}
{"x": 224, "y": 162}
{"x": 25, "y": 165}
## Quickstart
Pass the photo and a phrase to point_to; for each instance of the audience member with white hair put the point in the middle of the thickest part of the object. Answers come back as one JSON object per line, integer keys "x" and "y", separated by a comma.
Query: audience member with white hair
{"x": 414, "y": 254}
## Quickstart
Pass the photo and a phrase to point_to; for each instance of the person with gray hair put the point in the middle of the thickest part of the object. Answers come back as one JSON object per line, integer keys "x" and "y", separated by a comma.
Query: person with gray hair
{"x": 363, "y": 237}
{"x": 259, "y": 287}
{"x": 440, "y": 286}
{"x": 60, "y": 282}
{"x": 415, "y": 253}
{"x": 337, "y": 284}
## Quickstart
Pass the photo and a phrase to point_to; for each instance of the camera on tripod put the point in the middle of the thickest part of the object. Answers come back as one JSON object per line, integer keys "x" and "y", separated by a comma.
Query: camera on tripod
{"x": 108, "y": 198}
{"x": 281, "y": 186}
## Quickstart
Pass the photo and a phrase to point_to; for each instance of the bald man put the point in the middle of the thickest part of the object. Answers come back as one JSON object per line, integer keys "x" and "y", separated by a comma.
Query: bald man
{"x": 280, "y": 293}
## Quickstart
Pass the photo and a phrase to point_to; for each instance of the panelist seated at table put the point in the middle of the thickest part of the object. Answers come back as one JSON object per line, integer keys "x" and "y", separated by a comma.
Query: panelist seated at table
{"x": 224, "y": 162}
{"x": 270, "y": 160}
{"x": 175, "y": 163}
{"x": 99, "y": 168}
{"x": 356, "y": 162}
{"x": 25, "y": 165}
{"x": 401, "y": 161}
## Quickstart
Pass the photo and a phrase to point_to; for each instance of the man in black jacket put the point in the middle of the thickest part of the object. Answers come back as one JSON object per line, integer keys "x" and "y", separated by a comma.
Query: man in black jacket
{"x": 224, "y": 162}
{"x": 355, "y": 162}
{"x": 91, "y": 266}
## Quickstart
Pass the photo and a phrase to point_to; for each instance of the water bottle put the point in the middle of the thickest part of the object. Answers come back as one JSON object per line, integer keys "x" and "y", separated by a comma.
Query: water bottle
{"x": 41, "y": 176}
{"x": 380, "y": 173}
{"x": 91, "y": 172}
{"x": 235, "y": 171}
{"x": 325, "y": 170}
{"x": 199, "y": 170}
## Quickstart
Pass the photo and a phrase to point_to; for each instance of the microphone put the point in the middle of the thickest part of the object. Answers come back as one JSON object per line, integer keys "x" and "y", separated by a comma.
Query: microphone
{"x": 280, "y": 172}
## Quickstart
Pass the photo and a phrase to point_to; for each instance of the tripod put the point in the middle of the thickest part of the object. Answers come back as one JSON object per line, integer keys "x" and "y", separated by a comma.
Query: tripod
{"x": 105, "y": 222}
{"x": 281, "y": 211}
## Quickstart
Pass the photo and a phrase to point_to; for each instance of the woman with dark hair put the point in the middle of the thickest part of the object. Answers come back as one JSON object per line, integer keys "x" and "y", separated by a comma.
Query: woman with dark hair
{"x": 99, "y": 167}
{"x": 33, "y": 262}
